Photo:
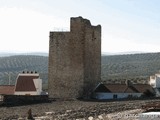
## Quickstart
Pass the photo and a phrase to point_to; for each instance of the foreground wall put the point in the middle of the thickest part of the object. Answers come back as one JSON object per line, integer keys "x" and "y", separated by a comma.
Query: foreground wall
{"x": 75, "y": 60}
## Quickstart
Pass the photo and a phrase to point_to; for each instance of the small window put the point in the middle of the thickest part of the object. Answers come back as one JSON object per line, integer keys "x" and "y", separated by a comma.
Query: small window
{"x": 129, "y": 96}
{"x": 114, "y": 96}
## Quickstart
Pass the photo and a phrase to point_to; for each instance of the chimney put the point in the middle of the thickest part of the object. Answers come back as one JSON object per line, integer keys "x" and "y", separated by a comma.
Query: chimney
{"x": 128, "y": 83}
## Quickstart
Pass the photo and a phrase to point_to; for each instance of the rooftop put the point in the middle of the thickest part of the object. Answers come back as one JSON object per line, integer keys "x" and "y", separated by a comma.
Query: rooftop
{"x": 123, "y": 88}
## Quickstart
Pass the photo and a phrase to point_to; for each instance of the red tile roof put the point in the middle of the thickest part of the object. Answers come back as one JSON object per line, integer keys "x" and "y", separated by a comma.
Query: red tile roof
{"x": 102, "y": 88}
{"x": 25, "y": 83}
{"x": 143, "y": 87}
{"x": 7, "y": 89}
{"x": 123, "y": 88}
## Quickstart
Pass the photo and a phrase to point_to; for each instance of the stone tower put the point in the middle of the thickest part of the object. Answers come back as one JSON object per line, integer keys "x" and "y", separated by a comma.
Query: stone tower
{"x": 75, "y": 60}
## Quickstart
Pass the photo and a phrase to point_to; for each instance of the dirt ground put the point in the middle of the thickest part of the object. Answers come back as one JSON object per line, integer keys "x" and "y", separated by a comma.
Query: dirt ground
{"x": 57, "y": 107}
{"x": 123, "y": 115}
{"x": 71, "y": 110}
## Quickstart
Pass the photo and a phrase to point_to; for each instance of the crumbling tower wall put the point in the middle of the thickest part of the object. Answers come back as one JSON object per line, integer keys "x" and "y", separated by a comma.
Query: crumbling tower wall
{"x": 75, "y": 60}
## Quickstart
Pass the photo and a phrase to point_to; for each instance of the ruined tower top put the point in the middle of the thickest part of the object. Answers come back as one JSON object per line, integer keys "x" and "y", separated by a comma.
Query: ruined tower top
{"x": 77, "y": 23}
{"x": 75, "y": 59}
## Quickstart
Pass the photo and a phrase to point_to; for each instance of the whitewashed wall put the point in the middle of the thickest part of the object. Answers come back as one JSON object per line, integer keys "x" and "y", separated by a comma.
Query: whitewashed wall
{"x": 155, "y": 81}
{"x": 25, "y": 93}
{"x": 157, "y": 85}
{"x": 38, "y": 85}
{"x": 152, "y": 82}
{"x": 102, "y": 96}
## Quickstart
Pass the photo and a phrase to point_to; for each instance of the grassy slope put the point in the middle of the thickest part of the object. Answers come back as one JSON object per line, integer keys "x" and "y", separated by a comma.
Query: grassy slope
{"x": 16, "y": 64}
{"x": 136, "y": 67}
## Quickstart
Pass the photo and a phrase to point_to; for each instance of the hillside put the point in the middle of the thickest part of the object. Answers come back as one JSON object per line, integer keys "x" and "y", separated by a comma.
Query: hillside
{"x": 135, "y": 67}
{"x": 14, "y": 64}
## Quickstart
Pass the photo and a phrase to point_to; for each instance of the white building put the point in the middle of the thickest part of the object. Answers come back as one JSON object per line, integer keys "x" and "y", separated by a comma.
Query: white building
{"x": 28, "y": 84}
{"x": 154, "y": 81}
{"x": 121, "y": 91}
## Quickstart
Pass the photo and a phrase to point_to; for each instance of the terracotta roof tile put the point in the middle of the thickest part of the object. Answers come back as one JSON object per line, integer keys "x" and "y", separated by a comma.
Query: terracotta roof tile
{"x": 102, "y": 88}
{"x": 25, "y": 83}
{"x": 7, "y": 89}
{"x": 143, "y": 87}
{"x": 117, "y": 88}
{"x": 123, "y": 88}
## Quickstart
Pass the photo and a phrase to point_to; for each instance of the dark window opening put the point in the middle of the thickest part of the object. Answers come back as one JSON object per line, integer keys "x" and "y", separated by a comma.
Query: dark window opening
{"x": 114, "y": 96}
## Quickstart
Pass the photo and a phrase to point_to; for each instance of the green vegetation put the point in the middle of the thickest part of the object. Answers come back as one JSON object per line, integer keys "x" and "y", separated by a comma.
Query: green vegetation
{"x": 16, "y": 64}
{"x": 134, "y": 67}
{"x": 118, "y": 68}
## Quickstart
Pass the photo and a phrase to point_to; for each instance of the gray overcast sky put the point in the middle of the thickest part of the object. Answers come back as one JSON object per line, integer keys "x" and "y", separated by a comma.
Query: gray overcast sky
{"x": 127, "y": 25}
